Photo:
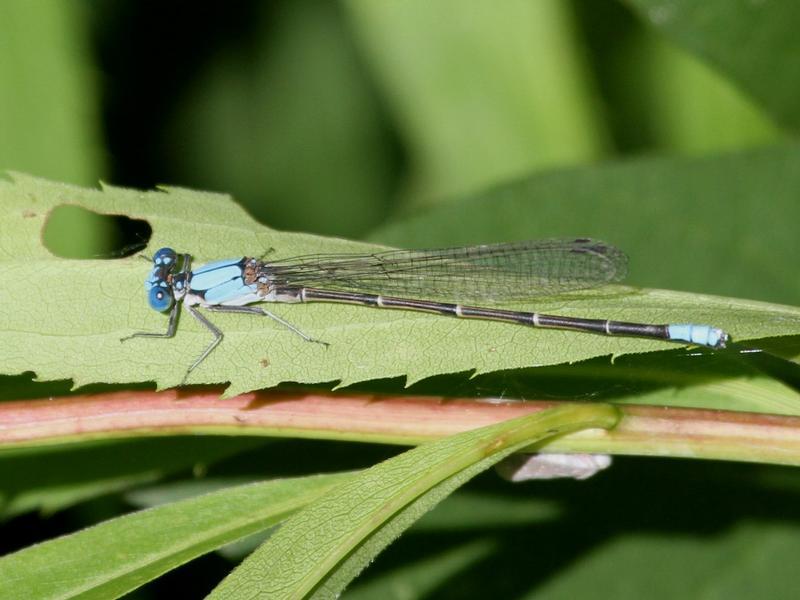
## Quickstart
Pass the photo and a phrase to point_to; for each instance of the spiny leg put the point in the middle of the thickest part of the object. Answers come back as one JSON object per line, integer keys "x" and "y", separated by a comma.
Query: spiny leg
{"x": 215, "y": 331}
{"x": 256, "y": 310}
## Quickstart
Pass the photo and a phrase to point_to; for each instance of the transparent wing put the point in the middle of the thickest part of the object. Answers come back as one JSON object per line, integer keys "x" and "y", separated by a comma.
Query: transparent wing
{"x": 489, "y": 273}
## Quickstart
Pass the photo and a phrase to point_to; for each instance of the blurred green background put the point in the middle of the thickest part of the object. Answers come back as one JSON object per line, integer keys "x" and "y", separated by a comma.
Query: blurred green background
{"x": 665, "y": 126}
{"x": 428, "y": 124}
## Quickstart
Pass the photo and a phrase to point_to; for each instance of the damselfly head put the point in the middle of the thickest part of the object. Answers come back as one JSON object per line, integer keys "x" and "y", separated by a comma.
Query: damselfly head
{"x": 159, "y": 284}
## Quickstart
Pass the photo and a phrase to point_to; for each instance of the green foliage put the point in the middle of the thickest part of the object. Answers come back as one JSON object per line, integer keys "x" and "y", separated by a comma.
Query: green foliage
{"x": 117, "y": 556}
{"x": 752, "y": 43}
{"x": 721, "y": 224}
{"x": 53, "y": 478}
{"x": 458, "y": 78}
{"x": 364, "y": 344}
{"x": 320, "y": 117}
{"x": 317, "y": 553}
{"x": 49, "y": 105}
{"x": 289, "y": 147}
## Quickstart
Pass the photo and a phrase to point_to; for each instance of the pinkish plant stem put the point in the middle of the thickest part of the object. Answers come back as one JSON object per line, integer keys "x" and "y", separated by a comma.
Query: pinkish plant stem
{"x": 643, "y": 430}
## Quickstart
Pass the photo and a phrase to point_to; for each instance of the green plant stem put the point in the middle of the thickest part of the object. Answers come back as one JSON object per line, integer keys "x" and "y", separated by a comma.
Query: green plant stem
{"x": 411, "y": 420}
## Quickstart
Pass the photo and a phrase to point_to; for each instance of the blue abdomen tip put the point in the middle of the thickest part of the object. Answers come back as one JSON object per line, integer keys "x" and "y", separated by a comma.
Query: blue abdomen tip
{"x": 702, "y": 335}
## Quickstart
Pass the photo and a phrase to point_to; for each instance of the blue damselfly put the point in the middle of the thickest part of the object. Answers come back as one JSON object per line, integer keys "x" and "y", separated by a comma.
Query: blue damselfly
{"x": 418, "y": 280}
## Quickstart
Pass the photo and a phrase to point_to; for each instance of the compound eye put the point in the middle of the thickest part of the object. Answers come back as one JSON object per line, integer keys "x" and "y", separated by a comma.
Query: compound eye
{"x": 165, "y": 256}
{"x": 160, "y": 299}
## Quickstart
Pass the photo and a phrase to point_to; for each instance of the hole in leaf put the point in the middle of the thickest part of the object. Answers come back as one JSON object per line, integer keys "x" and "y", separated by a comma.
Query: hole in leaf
{"x": 75, "y": 232}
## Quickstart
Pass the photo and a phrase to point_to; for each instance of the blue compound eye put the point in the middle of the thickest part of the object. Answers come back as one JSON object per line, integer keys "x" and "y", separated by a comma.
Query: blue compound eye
{"x": 160, "y": 298}
{"x": 165, "y": 256}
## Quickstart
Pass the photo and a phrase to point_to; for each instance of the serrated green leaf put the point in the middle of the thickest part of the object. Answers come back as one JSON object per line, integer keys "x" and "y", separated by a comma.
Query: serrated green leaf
{"x": 752, "y": 381}
{"x": 67, "y": 319}
{"x": 115, "y": 557}
{"x": 320, "y": 550}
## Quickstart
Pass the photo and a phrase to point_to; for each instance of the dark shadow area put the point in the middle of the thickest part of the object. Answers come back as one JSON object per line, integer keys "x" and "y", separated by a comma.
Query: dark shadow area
{"x": 148, "y": 54}
{"x": 656, "y": 498}
{"x": 600, "y": 379}
{"x": 75, "y": 232}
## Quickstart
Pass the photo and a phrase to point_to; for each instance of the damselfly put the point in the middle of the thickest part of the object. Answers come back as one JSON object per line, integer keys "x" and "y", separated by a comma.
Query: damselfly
{"x": 417, "y": 280}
